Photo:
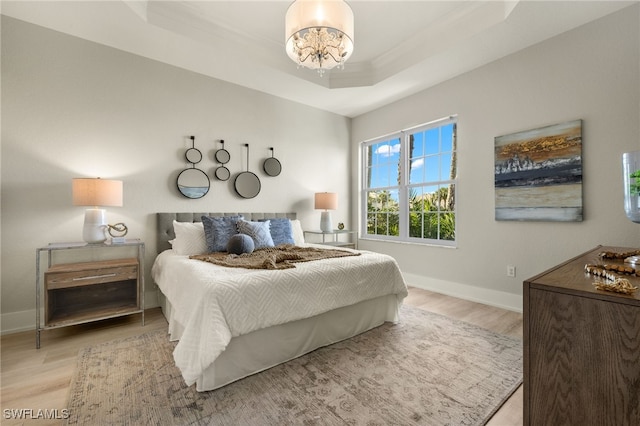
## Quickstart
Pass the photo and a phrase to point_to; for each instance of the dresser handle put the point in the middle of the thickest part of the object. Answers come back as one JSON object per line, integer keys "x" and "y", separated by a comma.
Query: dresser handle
{"x": 94, "y": 277}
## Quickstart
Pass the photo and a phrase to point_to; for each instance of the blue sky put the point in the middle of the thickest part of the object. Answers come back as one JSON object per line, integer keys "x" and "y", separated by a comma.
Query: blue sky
{"x": 426, "y": 164}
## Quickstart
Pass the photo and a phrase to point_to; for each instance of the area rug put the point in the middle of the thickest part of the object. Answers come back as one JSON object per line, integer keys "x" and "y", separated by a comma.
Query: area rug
{"x": 426, "y": 370}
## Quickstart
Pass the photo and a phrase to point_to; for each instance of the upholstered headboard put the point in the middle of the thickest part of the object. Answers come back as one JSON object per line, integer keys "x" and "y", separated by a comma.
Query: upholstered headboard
{"x": 165, "y": 223}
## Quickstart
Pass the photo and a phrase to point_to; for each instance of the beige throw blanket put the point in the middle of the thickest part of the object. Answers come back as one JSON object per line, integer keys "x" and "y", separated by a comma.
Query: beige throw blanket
{"x": 279, "y": 257}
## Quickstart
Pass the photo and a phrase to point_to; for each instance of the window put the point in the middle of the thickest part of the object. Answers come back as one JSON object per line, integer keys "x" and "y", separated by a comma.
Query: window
{"x": 409, "y": 182}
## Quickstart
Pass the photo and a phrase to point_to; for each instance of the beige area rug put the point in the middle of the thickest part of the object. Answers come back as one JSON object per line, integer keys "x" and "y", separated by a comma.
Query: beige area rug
{"x": 426, "y": 370}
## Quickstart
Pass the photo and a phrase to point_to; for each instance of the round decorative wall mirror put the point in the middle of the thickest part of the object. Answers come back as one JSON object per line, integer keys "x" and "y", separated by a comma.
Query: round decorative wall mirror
{"x": 222, "y": 173}
{"x": 193, "y": 155}
{"x": 247, "y": 184}
{"x": 222, "y": 155}
{"x": 193, "y": 182}
{"x": 271, "y": 165}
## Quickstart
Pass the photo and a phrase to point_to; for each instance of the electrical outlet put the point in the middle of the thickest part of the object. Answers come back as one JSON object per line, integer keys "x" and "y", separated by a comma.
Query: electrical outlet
{"x": 511, "y": 271}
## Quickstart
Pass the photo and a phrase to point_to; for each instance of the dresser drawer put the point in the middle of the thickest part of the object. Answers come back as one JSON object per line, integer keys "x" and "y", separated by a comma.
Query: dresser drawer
{"x": 90, "y": 273}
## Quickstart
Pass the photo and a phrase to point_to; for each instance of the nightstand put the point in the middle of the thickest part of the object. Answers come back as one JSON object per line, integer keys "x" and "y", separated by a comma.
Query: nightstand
{"x": 334, "y": 238}
{"x": 85, "y": 291}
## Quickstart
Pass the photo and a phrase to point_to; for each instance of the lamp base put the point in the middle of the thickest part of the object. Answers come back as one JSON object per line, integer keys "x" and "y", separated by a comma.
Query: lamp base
{"x": 325, "y": 222}
{"x": 95, "y": 224}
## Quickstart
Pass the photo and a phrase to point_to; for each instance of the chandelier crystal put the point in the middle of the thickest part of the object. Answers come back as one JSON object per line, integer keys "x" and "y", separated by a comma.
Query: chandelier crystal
{"x": 319, "y": 33}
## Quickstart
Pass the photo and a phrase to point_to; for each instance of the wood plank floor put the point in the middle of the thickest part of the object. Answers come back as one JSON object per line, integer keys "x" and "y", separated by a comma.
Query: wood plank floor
{"x": 40, "y": 378}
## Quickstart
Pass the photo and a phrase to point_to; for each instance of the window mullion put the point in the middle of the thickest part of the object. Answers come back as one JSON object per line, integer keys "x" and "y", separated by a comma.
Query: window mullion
{"x": 403, "y": 195}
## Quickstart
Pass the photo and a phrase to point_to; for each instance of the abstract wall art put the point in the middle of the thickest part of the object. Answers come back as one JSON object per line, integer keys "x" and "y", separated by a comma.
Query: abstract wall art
{"x": 538, "y": 174}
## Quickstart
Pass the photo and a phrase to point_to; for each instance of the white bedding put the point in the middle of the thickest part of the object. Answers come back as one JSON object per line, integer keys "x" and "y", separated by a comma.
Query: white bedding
{"x": 212, "y": 304}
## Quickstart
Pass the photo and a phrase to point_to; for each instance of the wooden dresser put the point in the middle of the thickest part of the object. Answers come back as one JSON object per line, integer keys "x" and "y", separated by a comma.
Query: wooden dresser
{"x": 581, "y": 348}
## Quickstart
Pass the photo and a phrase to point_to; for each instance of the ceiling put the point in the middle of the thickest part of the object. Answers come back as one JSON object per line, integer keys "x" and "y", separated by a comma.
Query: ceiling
{"x": 401, "y": 47}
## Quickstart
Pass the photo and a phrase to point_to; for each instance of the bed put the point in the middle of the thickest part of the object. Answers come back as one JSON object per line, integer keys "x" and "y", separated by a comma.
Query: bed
{"x": 234, "y": 322}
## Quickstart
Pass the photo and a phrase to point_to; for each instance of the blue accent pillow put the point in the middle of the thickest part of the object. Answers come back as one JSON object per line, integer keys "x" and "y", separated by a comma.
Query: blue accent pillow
{"x": 258, "y": 231}
{"x": 218, "y": 230}
{"x": 240, "y": 243}
{"x": 281, "y": 231}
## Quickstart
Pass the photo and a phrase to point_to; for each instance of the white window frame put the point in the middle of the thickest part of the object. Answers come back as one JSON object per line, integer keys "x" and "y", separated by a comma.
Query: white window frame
{"x": 404, "y": 186}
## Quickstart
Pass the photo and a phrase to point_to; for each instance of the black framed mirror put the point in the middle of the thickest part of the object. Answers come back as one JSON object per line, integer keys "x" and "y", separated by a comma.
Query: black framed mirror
{"x": 271, "y": 165}
{"x": 193, "y": 155}
{"x": 193, "y": 183}
{"x": 222, "y": 173}
{"x": 222, "y": 155}
{"x": 247, "y": 184}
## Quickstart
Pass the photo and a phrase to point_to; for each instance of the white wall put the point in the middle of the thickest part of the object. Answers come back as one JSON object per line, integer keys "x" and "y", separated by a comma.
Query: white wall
{"x": 590, "y": 73}
{"x": 73, "y": 108}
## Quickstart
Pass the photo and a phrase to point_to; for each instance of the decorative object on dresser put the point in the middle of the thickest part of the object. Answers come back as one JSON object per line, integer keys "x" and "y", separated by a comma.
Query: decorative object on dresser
{"x": 271, "y": 165}
{"x": 193, "y": 182}
{"x": 85, "y": 291}
{"x": 581, "y": 346}
{"x": 631, "y": 180}
{"x": 222, "y": 156}
{"x": 319, "y": 33}
{"x": 612, "y": 275}
{"x": 96, "y": 193}
{"x": 247, "y": 184}
{"x": 326, "y": 201}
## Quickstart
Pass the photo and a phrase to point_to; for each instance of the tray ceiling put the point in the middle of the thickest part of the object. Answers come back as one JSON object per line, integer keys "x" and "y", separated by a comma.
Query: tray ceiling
{"x": 401, "y": 47}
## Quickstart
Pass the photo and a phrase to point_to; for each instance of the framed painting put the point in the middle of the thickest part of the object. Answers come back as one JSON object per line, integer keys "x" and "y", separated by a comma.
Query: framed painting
{"x": 538, "y": 174}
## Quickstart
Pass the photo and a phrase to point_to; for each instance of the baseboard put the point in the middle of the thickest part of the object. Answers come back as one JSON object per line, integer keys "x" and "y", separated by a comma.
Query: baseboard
{"x": 15, "y": 322}
{"x": 499, "y": 299}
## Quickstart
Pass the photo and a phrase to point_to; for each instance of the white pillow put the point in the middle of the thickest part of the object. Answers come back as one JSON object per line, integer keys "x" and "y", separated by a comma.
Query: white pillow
{"x": 298, "y": 235}
{"x": 189, "y": 238}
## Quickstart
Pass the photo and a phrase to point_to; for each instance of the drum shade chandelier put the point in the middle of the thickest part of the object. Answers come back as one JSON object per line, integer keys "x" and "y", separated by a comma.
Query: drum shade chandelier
{"x": 319, "y": 33}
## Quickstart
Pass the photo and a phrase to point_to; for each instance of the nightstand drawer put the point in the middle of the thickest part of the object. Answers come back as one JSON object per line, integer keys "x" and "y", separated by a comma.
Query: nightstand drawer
{"x": 86, "y": 291}
{"x": 89, "y": 273}
{"x": 78, "y": 292}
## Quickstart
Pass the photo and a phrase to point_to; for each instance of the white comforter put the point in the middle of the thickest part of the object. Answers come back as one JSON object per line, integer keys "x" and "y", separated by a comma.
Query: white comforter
{"x": 213, "y": 303}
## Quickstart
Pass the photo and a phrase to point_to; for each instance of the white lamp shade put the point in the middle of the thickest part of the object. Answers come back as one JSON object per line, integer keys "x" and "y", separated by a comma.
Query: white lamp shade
{"x": 97, "y": 192}
{"x": 326, "y": 201}
{"x": 303, "y": 15}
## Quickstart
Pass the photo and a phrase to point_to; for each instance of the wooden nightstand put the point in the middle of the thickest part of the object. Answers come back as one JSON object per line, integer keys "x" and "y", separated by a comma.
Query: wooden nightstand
{"x": 334, "y": 239}
{"x": 80, "y": 292}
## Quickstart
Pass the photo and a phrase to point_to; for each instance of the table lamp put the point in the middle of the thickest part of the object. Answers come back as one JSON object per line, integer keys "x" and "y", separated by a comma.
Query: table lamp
{"x": 96, "y": 193}
{"x": 326, "y": 201}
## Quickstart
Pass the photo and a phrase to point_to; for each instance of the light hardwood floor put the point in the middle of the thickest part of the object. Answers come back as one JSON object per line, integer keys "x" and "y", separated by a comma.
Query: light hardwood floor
{"x": 40, "y": 378}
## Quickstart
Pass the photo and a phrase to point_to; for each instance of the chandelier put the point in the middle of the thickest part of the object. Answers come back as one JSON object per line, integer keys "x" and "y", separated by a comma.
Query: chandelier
{"x": 319, "y": 33}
